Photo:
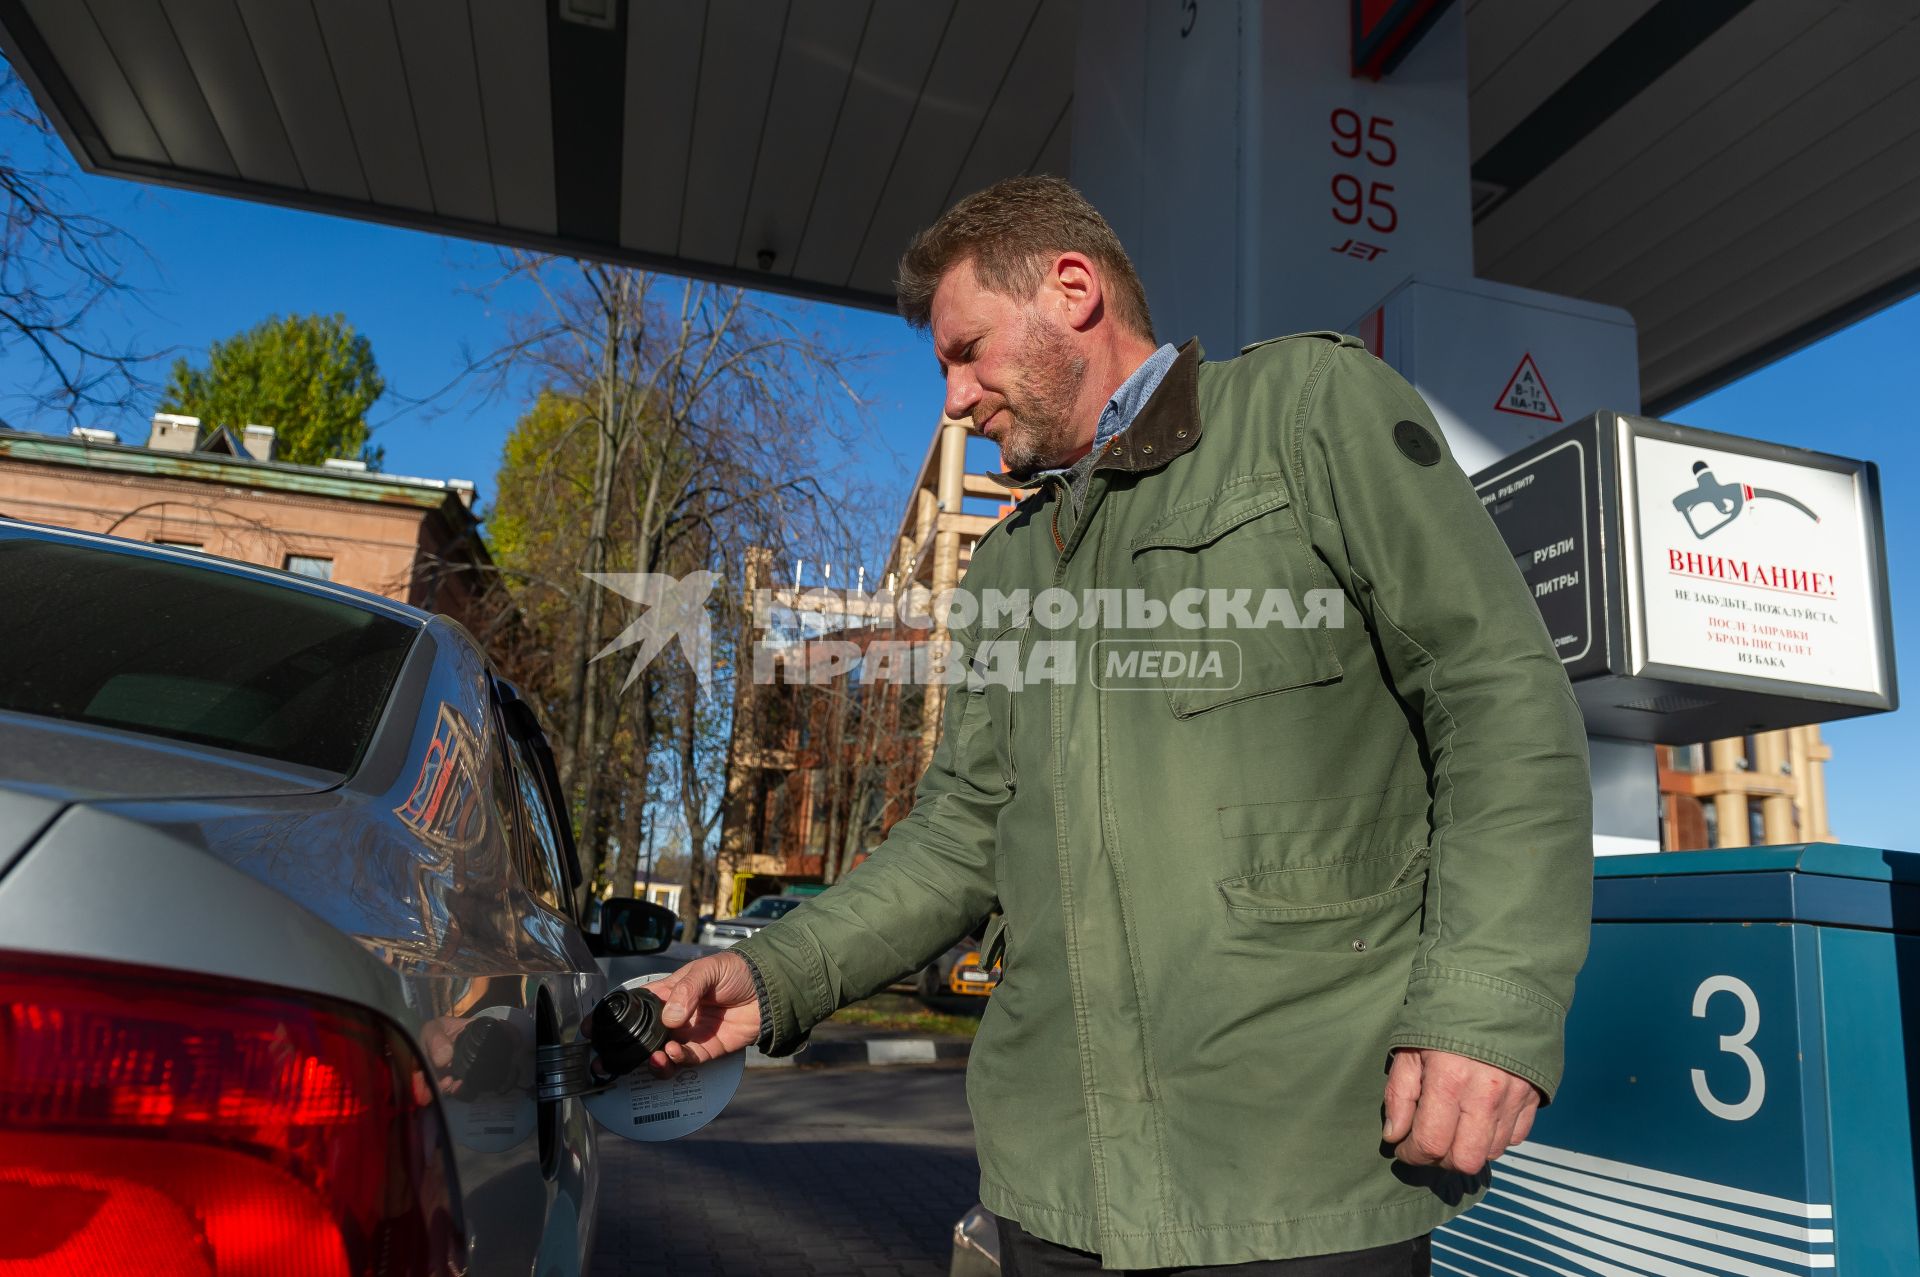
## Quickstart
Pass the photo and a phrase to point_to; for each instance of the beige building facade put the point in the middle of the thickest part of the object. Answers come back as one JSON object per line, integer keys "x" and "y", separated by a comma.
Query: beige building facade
{"x": 1768, "y": 789}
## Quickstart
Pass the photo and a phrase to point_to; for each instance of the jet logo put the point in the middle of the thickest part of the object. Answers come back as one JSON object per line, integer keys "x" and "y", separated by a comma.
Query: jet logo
{"x": 1726, "y": 500}
{"x": 676, "y": 609}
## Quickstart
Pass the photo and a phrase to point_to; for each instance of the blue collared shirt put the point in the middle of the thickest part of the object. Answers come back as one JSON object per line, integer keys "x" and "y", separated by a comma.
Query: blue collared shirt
{"x": 1126, "y": 403}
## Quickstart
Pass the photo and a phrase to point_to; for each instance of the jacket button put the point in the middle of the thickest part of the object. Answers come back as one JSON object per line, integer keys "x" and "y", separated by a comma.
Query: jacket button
{"x": 1146, "y": 447}
{"x": 1179, "y": 434}
{"x": 1359, "y": 946}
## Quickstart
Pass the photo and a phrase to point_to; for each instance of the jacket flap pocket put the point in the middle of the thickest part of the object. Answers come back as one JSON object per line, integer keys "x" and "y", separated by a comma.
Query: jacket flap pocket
{"x": 1197, "y": 525}
{"x": 1328, "y": 891}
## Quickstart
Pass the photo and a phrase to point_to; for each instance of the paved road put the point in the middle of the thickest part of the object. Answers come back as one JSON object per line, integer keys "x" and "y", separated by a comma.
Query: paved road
{"x": 848, "y": 1171}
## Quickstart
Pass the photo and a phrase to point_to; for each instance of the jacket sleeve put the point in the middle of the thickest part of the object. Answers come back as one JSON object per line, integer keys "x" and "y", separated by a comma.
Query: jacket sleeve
{"x": 1510, "y": 882}
{"x": 920, "y": 891}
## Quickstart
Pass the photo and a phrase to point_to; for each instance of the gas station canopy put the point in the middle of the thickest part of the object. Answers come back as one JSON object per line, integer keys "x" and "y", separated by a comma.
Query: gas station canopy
{"x": 1737, "y": 174}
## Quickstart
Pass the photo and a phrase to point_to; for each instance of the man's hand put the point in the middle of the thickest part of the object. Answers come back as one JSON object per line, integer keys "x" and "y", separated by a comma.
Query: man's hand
{"x": 711, "y": 1011}
{"x": 1447, "y": 1110}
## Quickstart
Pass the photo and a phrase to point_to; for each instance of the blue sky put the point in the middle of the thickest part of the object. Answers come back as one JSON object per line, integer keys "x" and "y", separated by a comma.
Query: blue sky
{"x": 218, "y": 265}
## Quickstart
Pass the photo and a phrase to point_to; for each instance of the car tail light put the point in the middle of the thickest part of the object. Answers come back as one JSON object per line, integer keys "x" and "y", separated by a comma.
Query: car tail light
{"x": 182, "y": 1126}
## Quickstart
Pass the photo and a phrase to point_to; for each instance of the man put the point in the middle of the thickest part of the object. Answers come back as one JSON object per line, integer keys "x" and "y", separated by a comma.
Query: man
{"x": 1229, "y": 899}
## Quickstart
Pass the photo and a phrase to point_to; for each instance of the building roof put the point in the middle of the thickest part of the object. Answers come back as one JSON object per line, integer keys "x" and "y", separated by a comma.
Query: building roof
{"x": 430, "y": 495}
{"x": 1733, "y": 172}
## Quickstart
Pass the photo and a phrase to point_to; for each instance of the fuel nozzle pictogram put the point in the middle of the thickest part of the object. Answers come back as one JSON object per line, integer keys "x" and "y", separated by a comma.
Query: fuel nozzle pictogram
{"x": 1726, "y": 500}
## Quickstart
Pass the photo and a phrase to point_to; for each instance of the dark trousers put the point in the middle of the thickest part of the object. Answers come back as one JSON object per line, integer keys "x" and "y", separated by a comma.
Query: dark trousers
{"x": 1024, "y": 1255}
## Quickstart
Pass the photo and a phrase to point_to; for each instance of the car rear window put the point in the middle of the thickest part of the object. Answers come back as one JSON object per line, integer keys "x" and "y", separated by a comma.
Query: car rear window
{"x": 193, "y": 654}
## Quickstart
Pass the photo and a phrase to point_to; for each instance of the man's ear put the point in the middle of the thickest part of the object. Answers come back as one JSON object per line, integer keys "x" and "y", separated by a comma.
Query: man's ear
{"x": 1073, "y": 284}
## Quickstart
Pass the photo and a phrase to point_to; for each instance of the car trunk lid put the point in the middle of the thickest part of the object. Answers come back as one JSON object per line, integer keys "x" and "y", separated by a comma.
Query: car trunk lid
{"x": 50, "y": 761}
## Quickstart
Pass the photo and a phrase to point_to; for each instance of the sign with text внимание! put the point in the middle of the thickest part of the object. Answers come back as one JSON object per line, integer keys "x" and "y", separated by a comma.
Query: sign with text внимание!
{"x": 1755, "y": 566}
{"x": 1699, "y": 585}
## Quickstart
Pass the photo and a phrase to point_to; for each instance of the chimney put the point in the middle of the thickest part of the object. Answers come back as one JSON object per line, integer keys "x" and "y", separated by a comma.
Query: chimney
{"x": 173, "y": 433}
{"x": 258, "y": 441}
{"x": 345, "y": 463}
{"x": 464, "y": 488}
{"x": 92, "y": 434}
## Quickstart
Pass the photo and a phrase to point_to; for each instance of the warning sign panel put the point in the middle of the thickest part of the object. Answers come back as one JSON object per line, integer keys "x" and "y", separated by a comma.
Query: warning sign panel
{"x": 1526, "y": 394}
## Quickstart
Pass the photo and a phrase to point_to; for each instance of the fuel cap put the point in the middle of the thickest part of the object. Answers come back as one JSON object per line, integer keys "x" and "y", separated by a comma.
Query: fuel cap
{"x": 628, "y": 1026}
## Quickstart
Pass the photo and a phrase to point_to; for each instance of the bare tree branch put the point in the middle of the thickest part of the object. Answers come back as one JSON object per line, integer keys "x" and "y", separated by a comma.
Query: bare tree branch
{"x": 61, "y": 269}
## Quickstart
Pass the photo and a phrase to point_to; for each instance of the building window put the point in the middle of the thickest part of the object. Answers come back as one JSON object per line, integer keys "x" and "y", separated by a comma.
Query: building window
{"x": 1687, "y": 758}
{"x": 1756, "y": 826}
{"x": 307, "y": 565}
{"x": 178, "y": 544}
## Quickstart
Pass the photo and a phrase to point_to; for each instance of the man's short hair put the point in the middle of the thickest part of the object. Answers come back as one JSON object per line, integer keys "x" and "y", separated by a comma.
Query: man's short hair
{"x": 1010, "y": 232}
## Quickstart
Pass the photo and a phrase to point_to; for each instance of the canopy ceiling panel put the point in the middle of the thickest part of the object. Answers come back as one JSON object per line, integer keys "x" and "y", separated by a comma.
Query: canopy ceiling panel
{"x": 1747, "y": 187}
{"x": 1742, "y": 175}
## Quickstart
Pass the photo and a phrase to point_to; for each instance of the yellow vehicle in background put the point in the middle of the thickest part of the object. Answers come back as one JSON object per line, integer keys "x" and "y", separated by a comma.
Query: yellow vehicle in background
{"x": 955, "y": 980}
{"x": 969, "y": 977}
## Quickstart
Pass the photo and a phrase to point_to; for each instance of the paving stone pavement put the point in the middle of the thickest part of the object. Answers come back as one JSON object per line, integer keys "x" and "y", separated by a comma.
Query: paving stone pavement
{"x": 845, "y": 1172}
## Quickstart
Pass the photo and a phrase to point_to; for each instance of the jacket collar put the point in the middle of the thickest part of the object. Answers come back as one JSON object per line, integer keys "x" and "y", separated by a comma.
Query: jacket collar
{"x": 1167, "y": 426}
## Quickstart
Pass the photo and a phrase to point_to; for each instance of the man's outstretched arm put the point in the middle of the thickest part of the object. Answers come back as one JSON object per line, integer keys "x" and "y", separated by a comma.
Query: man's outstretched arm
{"x": 920, "y": 890}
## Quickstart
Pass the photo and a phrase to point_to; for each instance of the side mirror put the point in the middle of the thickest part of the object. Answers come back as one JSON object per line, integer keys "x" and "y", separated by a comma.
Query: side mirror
{"x": 633, "y": 928}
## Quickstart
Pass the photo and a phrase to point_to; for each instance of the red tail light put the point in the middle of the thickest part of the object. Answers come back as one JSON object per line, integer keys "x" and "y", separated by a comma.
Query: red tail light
{"x": 179, "y": 1126}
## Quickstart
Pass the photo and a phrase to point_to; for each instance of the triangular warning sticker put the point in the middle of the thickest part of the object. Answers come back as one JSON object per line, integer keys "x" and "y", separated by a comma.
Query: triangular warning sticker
{"x": 1526, "y": 394}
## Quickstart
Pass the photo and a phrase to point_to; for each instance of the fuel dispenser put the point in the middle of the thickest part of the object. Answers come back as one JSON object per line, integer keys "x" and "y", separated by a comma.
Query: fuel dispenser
{"x": 1744, "y": 1045}
{"x": 1742, "y": 1057}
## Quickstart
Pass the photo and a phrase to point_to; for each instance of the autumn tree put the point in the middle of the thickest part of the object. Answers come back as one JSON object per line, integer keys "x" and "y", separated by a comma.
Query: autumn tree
{"x": 311, "y": 377}
{"x": 679, "y": 430}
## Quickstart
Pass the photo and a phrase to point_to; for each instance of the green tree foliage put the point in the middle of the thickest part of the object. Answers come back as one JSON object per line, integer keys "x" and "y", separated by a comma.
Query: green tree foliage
{"x": 311, "y": 377}
{"x": 544, "y": 471}
{"x": 537, "y": 537}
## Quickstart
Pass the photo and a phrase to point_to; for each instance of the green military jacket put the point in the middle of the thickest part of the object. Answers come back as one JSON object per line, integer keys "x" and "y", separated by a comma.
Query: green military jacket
{"x": 1224, "y": 895}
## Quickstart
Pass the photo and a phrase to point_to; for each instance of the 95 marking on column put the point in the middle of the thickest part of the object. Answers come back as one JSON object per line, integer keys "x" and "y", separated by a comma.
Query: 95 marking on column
{"x": 1367, "y": 142}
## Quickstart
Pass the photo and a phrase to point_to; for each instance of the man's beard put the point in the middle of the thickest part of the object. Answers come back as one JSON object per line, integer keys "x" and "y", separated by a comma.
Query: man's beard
{"x": 1040, "y": 402}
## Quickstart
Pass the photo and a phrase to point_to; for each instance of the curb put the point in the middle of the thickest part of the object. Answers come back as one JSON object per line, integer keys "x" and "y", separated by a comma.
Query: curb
{"x": 864, "y": 1051}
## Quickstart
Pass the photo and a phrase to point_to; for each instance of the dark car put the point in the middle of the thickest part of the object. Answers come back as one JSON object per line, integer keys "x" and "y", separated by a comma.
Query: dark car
{"x": 727, "y": 932}
{"x": 288, "y": 903}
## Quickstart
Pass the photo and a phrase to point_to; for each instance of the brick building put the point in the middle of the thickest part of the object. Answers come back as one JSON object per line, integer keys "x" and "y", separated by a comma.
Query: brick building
{"x": 415, "y": 540}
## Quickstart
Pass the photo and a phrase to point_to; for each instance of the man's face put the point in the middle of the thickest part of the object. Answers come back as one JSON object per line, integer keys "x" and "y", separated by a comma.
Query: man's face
{"x": 1011, "y": 369}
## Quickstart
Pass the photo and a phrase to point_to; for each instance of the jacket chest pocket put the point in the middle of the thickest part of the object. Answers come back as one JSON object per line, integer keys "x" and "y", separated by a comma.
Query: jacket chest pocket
{"x": 1247, "y": 607}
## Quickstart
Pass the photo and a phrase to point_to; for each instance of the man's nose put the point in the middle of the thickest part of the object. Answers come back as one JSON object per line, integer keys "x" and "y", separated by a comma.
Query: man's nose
{"x": 963, "y": 392}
